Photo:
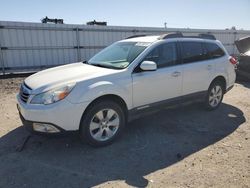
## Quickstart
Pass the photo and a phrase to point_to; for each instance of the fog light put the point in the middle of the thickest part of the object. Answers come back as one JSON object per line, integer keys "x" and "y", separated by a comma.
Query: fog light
{"x": 43, "y": 127}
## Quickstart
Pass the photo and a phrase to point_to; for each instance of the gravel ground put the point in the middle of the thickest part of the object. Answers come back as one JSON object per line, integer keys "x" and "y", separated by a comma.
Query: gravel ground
{"x": 179, "y": 147}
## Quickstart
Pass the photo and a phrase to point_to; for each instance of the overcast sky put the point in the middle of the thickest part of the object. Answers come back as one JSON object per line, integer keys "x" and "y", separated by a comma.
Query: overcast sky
{"x": 207, "y": 14}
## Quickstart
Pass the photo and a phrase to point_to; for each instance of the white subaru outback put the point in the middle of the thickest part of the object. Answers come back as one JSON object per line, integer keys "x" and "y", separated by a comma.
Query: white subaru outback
{"x": 130, "y": 76}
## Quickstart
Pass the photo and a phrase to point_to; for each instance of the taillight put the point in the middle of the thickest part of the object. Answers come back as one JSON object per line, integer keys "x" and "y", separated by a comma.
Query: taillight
{"x": 233, "y": 60}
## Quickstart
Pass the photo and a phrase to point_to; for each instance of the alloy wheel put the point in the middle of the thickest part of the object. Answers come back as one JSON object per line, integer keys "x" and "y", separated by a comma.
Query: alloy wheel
{"x": 215, "y": 96}
{"x": 104, "y": 124}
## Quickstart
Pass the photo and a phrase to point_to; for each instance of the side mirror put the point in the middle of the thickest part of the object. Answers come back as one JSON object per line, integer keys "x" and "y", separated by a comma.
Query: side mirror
{"x": 148, "y": 66}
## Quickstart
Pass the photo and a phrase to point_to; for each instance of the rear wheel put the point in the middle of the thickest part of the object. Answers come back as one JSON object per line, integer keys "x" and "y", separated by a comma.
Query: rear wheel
{"x": 102, "y": 123}
{"x": 214, "y": 96}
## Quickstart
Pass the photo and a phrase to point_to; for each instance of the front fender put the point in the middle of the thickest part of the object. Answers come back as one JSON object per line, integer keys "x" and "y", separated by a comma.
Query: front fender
{"x": 89, "y": 92}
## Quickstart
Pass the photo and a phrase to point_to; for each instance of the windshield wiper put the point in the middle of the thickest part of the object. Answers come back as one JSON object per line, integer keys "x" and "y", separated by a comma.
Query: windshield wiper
{"x": 104, "y": 66}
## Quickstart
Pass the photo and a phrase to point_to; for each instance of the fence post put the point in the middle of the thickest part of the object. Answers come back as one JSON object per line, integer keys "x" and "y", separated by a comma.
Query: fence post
{"x": 234, "y": 49}
{"x": 78, "y": 44}
{"x": 1, "y": 55}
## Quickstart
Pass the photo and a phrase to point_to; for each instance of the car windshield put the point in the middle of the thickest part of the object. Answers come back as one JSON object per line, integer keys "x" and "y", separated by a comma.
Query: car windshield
{"x": 118, "y": 55}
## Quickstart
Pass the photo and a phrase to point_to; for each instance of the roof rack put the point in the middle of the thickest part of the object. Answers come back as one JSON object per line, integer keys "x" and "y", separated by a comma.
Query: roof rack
{"x": 180, "y": 35}
{"x": 171, "y": 35}
{"x": 134, "y": 36}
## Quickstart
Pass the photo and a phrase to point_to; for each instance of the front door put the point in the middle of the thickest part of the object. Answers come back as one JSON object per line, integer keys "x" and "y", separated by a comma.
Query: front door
{"x": 162, "y": 84}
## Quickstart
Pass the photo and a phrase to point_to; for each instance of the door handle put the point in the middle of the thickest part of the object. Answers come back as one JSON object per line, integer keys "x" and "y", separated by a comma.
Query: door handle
{"x": 209, "y": 67}
{"x": 176, "y": 74}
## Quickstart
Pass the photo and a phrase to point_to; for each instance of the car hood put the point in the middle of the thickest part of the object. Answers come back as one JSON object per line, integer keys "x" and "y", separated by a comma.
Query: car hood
{"x": 243, "y": 45}
{"x": 61, "y": 75}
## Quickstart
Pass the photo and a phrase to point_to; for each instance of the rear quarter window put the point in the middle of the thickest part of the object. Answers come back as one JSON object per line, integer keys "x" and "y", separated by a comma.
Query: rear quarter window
{"x": 214, "y": 51}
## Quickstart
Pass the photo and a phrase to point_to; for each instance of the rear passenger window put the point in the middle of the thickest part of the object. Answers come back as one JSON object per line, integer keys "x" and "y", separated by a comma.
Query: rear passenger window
{"x": 192, "y": 52}
{"x": 214, "y": 51}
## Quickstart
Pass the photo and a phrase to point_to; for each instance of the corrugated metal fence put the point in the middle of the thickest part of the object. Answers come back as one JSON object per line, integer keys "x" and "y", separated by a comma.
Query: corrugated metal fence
{"x": 35, "y": 46}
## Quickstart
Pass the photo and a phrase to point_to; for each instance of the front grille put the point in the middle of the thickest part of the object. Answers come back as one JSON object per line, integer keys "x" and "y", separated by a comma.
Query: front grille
{"x": 24, "y": 93}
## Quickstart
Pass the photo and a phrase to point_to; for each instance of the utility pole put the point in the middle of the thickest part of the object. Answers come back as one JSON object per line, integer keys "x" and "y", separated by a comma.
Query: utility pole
{"x": 165, "y": 25}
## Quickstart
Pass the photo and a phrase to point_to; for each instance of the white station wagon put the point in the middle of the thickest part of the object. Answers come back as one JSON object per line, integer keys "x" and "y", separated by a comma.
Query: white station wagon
{"x": 139, "y": 73}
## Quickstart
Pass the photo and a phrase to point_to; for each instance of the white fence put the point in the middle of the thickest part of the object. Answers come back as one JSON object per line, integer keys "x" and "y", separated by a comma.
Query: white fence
{"x": 35, "y": 46}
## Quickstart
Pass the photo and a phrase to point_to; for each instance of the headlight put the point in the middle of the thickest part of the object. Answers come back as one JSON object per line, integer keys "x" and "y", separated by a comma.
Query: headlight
{"x": 53, "y": 95}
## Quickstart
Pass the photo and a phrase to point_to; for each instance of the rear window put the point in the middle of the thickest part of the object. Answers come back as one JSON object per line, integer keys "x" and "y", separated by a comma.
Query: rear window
{"x": 214, "y": 51}
{"x": 192, "y": 52}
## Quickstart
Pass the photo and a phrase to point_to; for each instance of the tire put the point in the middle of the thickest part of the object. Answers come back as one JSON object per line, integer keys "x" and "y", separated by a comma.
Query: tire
{"x": 214, "y": 96}
{"x": 102, "y": 123}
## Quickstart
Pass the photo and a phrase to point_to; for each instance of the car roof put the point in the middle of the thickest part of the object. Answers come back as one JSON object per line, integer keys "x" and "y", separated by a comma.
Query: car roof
{"x": 149, "y": 39}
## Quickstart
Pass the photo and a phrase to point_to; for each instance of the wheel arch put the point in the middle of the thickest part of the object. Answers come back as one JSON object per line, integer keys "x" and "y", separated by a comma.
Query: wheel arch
{"x": 222, "y": 80}
{"x": 112, "y": 97}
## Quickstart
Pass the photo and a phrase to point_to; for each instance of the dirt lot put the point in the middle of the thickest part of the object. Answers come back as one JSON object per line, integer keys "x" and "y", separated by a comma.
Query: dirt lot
{"x": 181, "y": 147}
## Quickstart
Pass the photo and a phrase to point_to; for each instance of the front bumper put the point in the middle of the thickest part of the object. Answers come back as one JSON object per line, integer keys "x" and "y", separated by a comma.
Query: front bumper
{"x": 29, "y": 126}
{"x": 63, "y": 115}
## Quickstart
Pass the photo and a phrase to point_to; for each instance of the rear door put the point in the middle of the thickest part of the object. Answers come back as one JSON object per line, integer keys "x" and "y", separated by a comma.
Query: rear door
{"x": 197, "y": 67}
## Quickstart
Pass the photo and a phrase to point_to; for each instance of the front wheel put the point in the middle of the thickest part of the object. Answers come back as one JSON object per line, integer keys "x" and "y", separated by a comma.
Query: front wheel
{"x": 214, "y": 96}
{"x": 102, "y": 123}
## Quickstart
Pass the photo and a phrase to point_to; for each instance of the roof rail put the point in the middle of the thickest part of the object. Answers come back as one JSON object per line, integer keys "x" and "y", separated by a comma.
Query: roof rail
{"x": 180, "y": 35}
{"x": 171, "y": 35}
{"x": 134, "y": 36}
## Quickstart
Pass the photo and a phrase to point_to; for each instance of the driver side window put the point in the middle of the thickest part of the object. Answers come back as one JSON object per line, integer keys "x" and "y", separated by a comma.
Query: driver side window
{"x": 163, "y": 55}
